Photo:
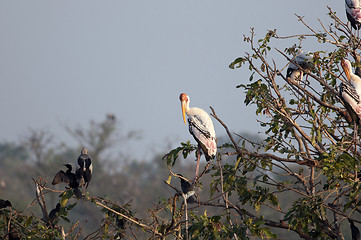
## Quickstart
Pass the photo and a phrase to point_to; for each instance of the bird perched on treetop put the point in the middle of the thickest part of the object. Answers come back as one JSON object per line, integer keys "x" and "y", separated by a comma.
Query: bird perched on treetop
{"x": 350, "y": 93}
{"x": 72, "y": 179}
{"x": 201, "y": 128}
{"x": 301, "y": 62}
{"x": 85, "y": 168}
{"x": 353, "y": 13}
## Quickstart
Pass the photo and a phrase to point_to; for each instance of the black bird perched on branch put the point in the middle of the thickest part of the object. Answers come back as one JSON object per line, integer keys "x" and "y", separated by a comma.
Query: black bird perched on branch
{"x": 72, "y": 179}
{"x": 301, "y": 62}
{"x": 353, "y": 13}
{"x": 355, "y": 232}
{"x": 85, "y": 168}
{"x": 5, "y": 203}
{"x": 187, "y": 189}
{"x": 53, "y": 214}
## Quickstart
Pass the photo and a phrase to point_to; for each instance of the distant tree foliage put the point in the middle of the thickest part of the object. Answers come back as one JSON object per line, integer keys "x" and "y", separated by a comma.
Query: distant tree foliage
{"x": 301, "y": 181}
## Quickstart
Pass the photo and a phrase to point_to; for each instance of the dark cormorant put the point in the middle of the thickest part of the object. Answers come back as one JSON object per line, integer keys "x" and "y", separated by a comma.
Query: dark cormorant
{"x": 187, "y": 189}
{"x": 85, "y": 168}
{"x": 72, "y": 179}
{"x": 53, "y": 213}
{"x": 5, "y": 203}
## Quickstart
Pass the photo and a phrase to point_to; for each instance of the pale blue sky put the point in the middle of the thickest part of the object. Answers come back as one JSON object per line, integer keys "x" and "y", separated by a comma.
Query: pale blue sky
{"x": 68, "y": 62}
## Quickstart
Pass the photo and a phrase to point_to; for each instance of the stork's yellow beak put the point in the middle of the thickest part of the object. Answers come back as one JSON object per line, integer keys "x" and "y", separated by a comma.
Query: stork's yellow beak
{"x": 183, "y": 103}
{"x": 346, "y": 69}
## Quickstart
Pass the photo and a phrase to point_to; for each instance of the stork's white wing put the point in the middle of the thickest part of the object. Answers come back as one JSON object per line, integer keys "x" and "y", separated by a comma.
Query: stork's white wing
{"x": 348, "y": 91}
{"x": 203, "y": 132}
{"x": 349, "y": 94}
{"x": 199, "y": 125}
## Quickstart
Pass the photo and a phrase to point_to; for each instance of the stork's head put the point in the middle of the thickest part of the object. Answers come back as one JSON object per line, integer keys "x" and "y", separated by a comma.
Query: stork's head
{"x": 346, "y": 66}
{"x": 184, "y": 103}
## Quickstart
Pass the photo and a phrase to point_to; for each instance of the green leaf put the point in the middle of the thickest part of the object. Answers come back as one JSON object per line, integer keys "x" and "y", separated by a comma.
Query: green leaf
{"x": 237, "y": 162}
{"x": 237, "y": 63}
{"x": 29, "y": 220}
{"x": 169, "y": 179}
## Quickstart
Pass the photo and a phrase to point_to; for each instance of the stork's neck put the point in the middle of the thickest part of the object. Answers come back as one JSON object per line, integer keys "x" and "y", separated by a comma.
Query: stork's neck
{"x": 355, "y": 80}
{"x": 193, "y": 111}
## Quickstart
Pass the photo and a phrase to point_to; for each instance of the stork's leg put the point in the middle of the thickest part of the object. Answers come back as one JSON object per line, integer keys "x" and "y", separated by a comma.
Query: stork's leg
{"x": 304, "y": 86}
{"x": 355, "y": 134}
{"x": 198, "y": 160}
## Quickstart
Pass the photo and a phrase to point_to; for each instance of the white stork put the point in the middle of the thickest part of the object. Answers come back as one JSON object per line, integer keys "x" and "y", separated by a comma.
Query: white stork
{"x": 353, "y": 12}
{"x": 350, "y": 93}
{"x": 303, "y": 62}
{"x": 201, "y": 127}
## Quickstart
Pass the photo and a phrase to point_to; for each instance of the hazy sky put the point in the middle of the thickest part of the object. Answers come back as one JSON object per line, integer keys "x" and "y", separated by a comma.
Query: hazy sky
{"x": 69, "y": 62}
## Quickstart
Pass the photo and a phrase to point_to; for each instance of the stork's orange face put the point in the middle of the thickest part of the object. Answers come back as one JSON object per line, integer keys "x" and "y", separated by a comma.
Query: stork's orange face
{"x": 346, "y": 68}
{"x": 184, "y": 100}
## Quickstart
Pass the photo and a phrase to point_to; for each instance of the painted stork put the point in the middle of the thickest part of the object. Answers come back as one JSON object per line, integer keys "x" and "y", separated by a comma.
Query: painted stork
{"x": 72, "y": 179}
{"x": 300, "y": 63}
{"x": 85, "y": 168}
{"x": 353, "y": 13}
{"x": 350, "y": 93}
{"x": 201, "y": 128}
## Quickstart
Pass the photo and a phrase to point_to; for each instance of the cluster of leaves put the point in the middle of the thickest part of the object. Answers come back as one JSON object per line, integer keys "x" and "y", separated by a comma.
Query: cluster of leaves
{"x": 17, "y": 224}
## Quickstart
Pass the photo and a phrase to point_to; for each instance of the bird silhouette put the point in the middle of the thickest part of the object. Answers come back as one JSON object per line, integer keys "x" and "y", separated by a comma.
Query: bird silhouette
{"x": 70, "y": 178}
{"x": 85, "y": 168}
{"x": 187, "y": 189}
{"x": 5, "y": 203}
{"x": 53, "y": 215}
